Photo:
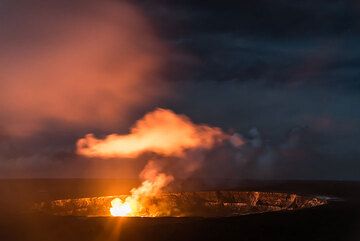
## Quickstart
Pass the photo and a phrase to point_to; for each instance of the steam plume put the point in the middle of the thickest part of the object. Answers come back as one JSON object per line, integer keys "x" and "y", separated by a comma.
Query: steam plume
{"x": 166, "y": 134}
{"x": 83, "y": 63}
{"x": 160, "y": 131}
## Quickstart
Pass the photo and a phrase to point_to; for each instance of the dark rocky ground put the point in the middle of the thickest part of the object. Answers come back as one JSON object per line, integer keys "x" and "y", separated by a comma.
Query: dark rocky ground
{"x": 339, "y": 220}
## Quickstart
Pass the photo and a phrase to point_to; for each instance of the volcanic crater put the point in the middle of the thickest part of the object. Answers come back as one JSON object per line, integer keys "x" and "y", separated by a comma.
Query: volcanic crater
{"x": 186, "y": 204}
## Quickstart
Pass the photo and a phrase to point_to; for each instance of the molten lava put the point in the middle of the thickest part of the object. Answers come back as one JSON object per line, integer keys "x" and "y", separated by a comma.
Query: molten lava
{"x": 161, "y": 132}
{"x": 137, "y": 204}
{"x": 120, "y": 208}
{"x": 179, "y": 145}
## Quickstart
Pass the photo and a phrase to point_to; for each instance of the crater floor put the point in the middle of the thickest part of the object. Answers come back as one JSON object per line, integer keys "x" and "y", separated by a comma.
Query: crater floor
{"x": 187, "y": 204}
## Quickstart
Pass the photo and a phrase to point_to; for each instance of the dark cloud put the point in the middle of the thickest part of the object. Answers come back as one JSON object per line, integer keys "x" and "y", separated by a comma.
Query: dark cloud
{"x": 327, "y": 121}
{"x": 275, "y": 41}
{"x": 288, "y": 69}
{"x": 268, "y": 19}
{"x": 274, "y": 65}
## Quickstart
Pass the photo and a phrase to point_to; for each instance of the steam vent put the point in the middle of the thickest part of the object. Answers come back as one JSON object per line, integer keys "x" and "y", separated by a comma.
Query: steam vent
{"x": 186, "y": 204}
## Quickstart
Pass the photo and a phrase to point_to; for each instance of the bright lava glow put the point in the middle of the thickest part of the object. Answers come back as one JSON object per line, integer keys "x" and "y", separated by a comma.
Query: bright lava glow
{"x": 119, "y": 208}
{"x": 162, "y": 132}
{"x": 137, "y": 203}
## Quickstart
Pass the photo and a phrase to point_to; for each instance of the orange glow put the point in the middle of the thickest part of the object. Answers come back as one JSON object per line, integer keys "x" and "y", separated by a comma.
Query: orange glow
{"x": 119, "y": 208}
{"x": 77, "y": 83}
{"x": 161, "y": 131}
{"x": 136, "y": 203}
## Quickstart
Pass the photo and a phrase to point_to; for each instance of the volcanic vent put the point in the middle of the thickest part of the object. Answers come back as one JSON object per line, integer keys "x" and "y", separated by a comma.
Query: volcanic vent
{"x": 178, "y": 148}
{"x": 185, "y": 204}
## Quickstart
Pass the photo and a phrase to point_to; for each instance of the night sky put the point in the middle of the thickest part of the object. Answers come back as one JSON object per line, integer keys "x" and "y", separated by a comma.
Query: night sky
{"x": 282, "y": 74}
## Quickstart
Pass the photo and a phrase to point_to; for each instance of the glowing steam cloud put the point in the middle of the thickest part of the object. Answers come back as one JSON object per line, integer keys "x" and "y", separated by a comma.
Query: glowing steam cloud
{"x": 161, "y": 131}
{"x": 164, "y": 133}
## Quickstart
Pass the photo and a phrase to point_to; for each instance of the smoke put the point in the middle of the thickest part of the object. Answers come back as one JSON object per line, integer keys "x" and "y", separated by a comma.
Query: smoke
{"x": 161, "y": 131}
{"x": 82, "y": 63}
{"x": 179, "y": 144}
